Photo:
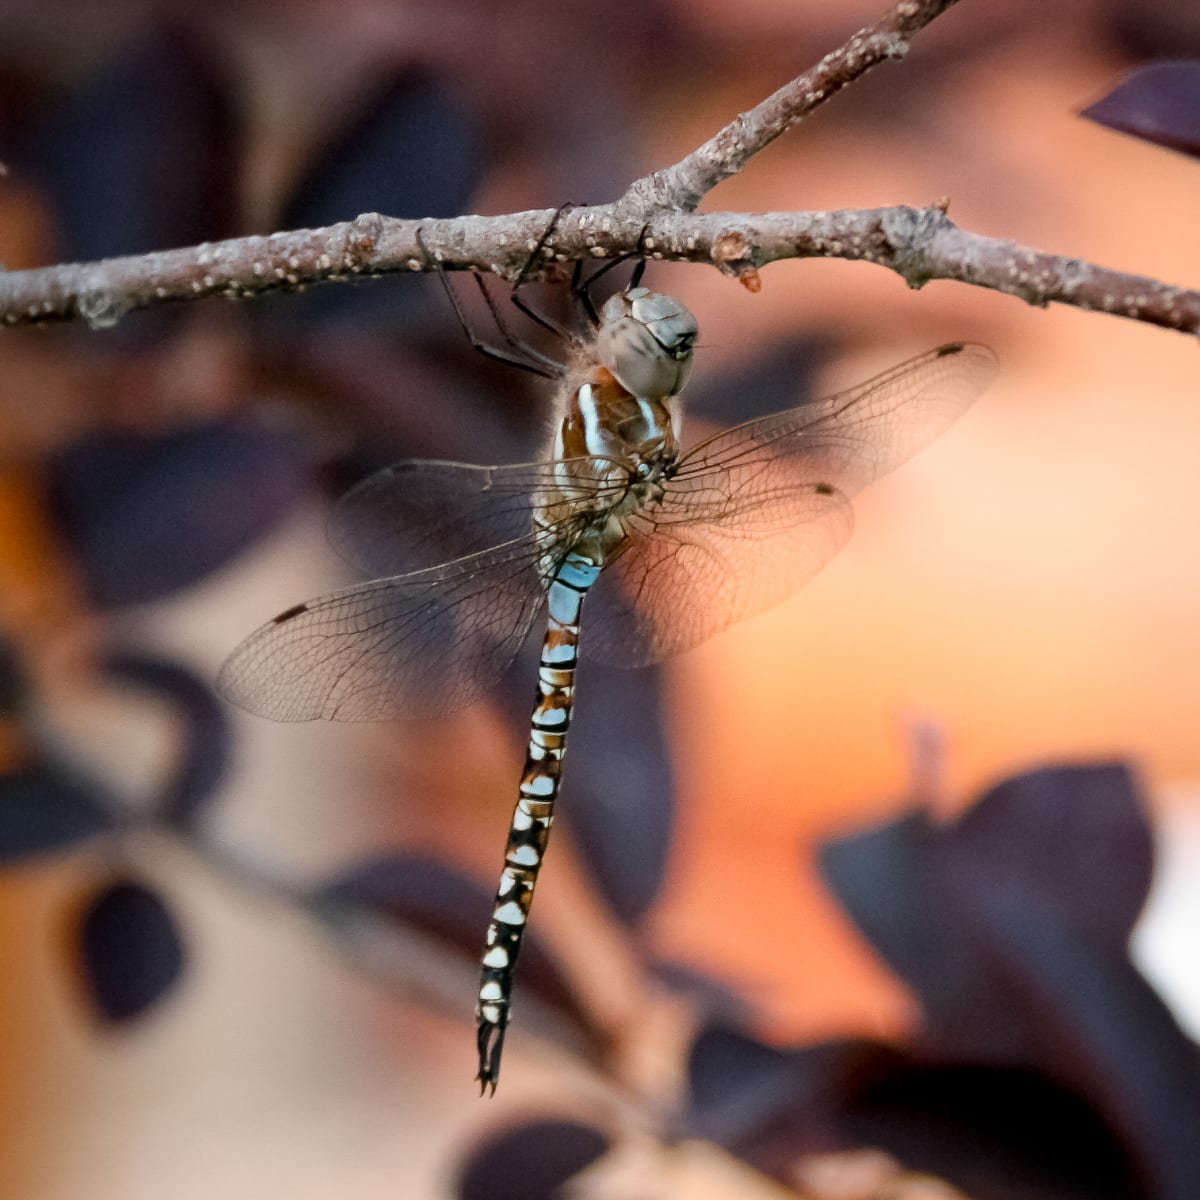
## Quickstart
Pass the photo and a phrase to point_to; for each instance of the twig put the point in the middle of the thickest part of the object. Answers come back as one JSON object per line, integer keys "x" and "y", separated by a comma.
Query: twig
{"x": 655, "y": 213}
{"x": 685, "y": 184}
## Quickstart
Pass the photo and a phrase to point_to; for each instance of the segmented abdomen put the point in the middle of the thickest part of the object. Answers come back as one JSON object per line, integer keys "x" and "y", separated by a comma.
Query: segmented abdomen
{"x": 534, "y": 812}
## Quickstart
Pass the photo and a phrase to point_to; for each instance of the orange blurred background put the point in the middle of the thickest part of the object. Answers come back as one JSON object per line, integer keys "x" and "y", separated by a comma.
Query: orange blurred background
{"x": 1024, "y": 591}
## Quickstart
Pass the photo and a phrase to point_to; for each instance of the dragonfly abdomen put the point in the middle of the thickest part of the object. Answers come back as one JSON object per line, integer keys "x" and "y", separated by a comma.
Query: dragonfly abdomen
{"x": 529, "y": 830}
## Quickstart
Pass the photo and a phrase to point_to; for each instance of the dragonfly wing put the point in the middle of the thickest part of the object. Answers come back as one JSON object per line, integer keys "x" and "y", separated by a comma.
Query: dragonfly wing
{"x": 411, "y": 645}
{"x": 754, "y": 512}
{"x": 416, "y": 515}
{"x": 851, "y": 438}
{"x": 676, "y": 583}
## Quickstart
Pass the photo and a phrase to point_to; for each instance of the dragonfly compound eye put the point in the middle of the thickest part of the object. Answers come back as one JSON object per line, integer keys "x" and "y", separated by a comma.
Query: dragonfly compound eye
{"x": 646, "y": 341}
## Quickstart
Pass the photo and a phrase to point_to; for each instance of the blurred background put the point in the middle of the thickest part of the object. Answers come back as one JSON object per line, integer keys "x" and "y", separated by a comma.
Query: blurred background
{"x": 263, "y": 984}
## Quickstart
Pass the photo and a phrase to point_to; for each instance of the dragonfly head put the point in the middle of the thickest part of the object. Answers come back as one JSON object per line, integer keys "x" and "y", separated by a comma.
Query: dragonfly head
{"x": 646, "y": 340}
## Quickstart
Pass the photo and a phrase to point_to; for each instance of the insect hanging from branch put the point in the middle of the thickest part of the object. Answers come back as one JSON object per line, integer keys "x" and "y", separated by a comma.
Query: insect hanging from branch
{"x": 668, "y": 546}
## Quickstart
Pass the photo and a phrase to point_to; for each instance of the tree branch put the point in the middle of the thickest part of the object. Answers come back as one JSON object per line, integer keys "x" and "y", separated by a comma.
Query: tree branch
{"x": 654, "y": 216}
{"x": 918, "y": 244}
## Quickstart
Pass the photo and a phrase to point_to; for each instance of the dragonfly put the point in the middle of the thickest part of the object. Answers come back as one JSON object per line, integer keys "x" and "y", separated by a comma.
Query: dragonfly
{"x": 668, "y": 546}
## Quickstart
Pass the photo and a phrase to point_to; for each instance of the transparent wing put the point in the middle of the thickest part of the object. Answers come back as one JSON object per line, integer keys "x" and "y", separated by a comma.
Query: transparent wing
{"x": 754, "y": 512}
{"x": 415, "y": 515}
{"x": 676, "y": 583}
{"x": 412, "y": 645}
{"x": 851, "y": 438}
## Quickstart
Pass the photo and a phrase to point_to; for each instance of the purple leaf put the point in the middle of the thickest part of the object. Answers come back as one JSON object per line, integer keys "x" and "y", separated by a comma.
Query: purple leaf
{"x": 43, "y": 810}
{"x": 1104, "y": 1033}
{"x": 1077, "y": 837}
{"x": 534, "y": 1161}
{"x": 1071, "y": 841}
{"x": 150, "y": 515}
{"x": 996, "y": 1134}
{"x": 405, "y": 518}
{"x": 419, "y": 891}
{"x": 1011, "y": 923}
{"x": 129, "y": 950}
{"x": 985, "y": 1129}
{"x": 412, "y": 150}
{"x": 1159, "y": 103}
{"x": 620, "y": 806}
{"x": 770, "y": 1106}
{"x": 739, "y": 1086}
{"x": 45, "y": 807}
{"x": 886, "y": 881}
{"x": 203, "y": 758}
{"x": 141, "y": 157}
{"x": 779, "y": 377}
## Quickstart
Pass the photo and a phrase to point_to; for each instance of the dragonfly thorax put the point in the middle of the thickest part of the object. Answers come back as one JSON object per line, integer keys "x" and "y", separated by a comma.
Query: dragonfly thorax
{"x": 620, "y": 403}
{"x": 646, "y": 339}
{"x": 604, "y": 421}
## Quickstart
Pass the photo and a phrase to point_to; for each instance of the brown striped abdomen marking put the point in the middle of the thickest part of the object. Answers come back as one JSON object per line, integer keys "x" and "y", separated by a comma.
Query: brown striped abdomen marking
{"x": 532, "y": 817}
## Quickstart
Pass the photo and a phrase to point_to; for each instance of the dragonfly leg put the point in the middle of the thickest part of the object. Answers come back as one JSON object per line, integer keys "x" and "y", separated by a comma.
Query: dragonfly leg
{"x": 586, "y": 313}
{"x": 520, "y": 303}
{"x": 581, "y": 288}
{"x": 540, "y": 244}
{"x": 554, "y": 369}
{"x": 514, "y": 352}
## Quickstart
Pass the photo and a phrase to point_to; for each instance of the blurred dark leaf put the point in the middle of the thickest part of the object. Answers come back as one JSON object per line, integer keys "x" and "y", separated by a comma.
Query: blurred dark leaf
{"x": 1011, "y": 923}
{"x": 619, "y": 789}
{"x": 142, "y": 157}
{"x": 130, "y": 950}
{"x": 884, "y": 879}
{"x": 43, "y": 809}
{"x": 204, "y": 754}
{"x": 738, "y": 1086}
{"x": 776, "y": 379}
{"x": 1075, "y": 837}
{"x": 996, "y": 1134}
{"x": 426, "y": 895}
{"x": 412, "y": 150}
{"x": 150, "y": 515}
{"x": 534, "y": 1161}
{"x": 1159, "y": 103}
{"x": 1071, "y": 841}
{"x": 417, "y": 890}
{"x": 407, "y": 518}
{"x": 771, "y": 1106}
{"x": 1153, "y": 29}
{"x": 1102, "y": 1031}
{"x": 420, "y": 398}
{"x": 14, "y": 682}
